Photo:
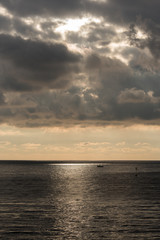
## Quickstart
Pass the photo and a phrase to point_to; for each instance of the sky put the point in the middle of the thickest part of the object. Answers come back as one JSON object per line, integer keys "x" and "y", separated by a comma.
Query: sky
{"x": 79, "y": 80}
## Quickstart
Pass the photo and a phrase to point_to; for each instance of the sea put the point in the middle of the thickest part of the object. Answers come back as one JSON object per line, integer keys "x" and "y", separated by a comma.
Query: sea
{"x": 49, "y": 200}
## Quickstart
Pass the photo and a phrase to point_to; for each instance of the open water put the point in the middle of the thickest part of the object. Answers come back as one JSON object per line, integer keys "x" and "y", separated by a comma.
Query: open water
{"x": 80, "y": 201}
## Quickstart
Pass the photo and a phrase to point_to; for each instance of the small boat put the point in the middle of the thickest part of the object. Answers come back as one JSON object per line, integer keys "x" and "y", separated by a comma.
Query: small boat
{"x": 99, "y": 165}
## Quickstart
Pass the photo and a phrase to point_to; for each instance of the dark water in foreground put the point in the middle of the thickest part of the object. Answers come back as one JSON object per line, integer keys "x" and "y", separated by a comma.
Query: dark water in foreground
{"x": 47, "y": 201}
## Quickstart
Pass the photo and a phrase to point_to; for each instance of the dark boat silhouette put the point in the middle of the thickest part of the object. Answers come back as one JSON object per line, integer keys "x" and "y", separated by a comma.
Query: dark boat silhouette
{"x": 99, "y": 165}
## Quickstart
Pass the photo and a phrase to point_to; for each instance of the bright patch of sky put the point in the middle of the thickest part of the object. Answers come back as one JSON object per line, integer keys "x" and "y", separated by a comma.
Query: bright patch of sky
{"x": 103, "y": 143}
{"x": 140, "y": 34}
{"x": 5, "y": 12}
{"x": 72, "y": 25}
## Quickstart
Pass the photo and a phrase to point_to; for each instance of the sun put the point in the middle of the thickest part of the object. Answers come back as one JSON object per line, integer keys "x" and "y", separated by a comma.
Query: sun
{"x": 72, "y": 25}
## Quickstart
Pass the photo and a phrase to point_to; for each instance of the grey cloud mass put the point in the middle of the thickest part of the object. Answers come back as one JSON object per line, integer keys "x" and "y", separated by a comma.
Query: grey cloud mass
{"x": 79, "y": 62}
{"x": 44, "y": 7}
{"x": 30, "y": 64}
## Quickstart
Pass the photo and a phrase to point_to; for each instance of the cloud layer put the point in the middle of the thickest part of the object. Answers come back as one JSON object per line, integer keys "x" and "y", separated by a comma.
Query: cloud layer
{"x": 79, "y": 62}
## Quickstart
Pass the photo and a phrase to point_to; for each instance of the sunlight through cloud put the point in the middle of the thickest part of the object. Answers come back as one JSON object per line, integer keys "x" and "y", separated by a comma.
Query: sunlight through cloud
{"x": 72, "y": 25}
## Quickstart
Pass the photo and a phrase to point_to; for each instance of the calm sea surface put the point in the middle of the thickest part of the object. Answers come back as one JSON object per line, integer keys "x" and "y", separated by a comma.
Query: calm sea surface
{"x": 80, "y": 201}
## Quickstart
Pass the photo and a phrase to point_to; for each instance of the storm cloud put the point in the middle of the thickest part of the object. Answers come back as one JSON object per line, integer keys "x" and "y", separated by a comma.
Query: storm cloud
{"x": 43, "y": 7}
{"x": 35, "y": 64}
{"x": 79, "y": 62}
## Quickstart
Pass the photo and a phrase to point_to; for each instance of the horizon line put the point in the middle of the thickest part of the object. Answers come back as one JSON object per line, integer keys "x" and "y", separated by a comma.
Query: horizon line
{"x": 75, "y": 161}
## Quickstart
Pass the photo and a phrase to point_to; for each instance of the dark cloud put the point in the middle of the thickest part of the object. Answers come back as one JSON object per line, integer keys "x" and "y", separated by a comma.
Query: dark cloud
{"x": 100, "y": 33}
{"x": 153, "y": 41}
{"x": 33, "y": 54}
{"x": 44, "y": 83}
{"x": 30, "y": 64}
{"x": 116, "y": 11}
{"x": 124, "y": 11}
{"x": 114, "y": 93}
{"x": 134, "y": 96}
{"x": 29, "y": 31}
{"x": 22, "y": 29}
{"x": 16, "y": 25}
{"x": 48, "y": 31}
{"x": 122, "y": 93}
{"x": 143, "y": 14}
{"x": 44, "y": 7}
{"x": 5, "y": 23}
{"x": 2, "y": 99}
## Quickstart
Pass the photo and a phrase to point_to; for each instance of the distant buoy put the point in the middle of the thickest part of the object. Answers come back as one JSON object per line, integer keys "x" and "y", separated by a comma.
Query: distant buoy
{"x": 136, "y": 172}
